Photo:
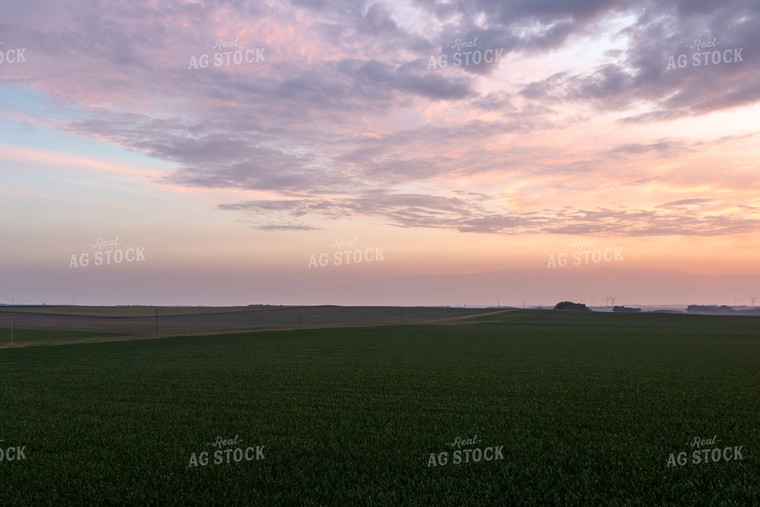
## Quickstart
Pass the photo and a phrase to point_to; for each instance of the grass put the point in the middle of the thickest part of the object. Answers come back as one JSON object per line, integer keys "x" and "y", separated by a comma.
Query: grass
{"x": 587, "y": 407}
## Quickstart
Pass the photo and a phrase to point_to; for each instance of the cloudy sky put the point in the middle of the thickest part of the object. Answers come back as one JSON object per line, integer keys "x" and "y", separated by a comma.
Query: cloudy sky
{"x": 471, "y": 151}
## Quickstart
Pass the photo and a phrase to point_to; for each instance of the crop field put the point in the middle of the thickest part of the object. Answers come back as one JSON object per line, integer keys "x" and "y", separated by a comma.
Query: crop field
{"x": 514, "y": 407}
{"x": 25, "y": 337}
{"x": 141, "y": 320}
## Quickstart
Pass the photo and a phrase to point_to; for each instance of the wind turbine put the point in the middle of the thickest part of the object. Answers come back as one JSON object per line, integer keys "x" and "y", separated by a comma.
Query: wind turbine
{"x": 753, "y": 299}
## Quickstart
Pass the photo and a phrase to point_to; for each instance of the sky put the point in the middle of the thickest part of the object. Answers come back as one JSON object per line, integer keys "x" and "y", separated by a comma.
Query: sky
{"x": 415, "y": 152}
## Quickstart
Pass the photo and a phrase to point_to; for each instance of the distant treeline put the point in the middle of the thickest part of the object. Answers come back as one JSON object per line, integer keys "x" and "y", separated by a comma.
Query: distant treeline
{"x": 723, "y": 309}
{"x": 712, "y": 309}
{"x": 569, "y": 305}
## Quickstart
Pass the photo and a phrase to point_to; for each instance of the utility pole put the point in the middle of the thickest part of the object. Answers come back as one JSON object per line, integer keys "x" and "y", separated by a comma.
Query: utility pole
{"x": 11, "y": 331}
{"x": 156, "y": 320}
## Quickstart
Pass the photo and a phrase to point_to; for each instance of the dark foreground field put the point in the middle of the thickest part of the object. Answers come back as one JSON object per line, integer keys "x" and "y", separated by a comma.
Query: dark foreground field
{"x": 576, "y": 409}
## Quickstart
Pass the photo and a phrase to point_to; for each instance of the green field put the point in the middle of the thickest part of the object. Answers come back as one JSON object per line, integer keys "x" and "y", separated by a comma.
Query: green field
{"x": 26, "y": 337}
{"x": 587, "y": 406}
